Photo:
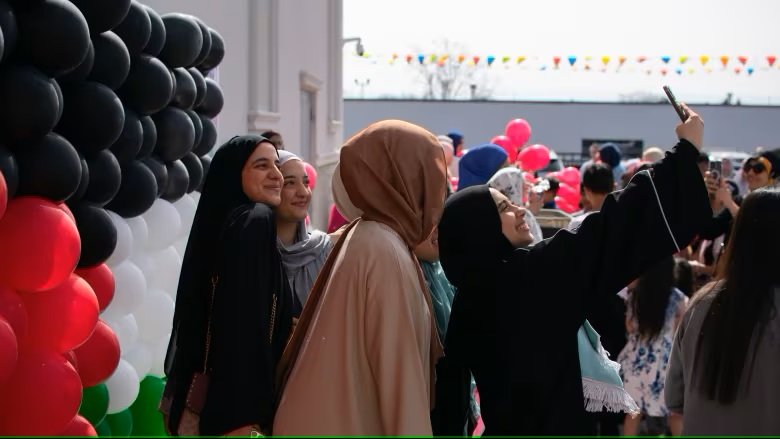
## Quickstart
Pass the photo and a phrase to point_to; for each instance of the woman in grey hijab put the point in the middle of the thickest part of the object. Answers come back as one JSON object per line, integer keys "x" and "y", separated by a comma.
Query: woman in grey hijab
{"x": 303, "y": 252}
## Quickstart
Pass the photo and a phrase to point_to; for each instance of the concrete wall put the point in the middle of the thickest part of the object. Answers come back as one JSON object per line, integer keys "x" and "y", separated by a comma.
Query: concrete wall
{"x": 274, "y": 49}
{"x": 562, "y": 126}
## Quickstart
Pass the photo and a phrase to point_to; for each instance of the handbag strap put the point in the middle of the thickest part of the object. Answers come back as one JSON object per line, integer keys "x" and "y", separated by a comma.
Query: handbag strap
{"x": 214, "y": 282}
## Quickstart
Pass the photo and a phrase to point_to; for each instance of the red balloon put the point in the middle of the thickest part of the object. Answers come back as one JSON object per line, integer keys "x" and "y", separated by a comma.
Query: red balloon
{"x": 565, "y": 205}
{"x": 570, "y": 176}
{"x": 529, "y": 178}
{"x": 12, "y": 308}
{"x": 40, "y": 245}
{"x": 64, "y": 207}
{"x": 311, "y": 172}
{"x": 41, "y": 397}
{"x": 9, "y": 350}
{"x": 79, "y": 427}
{"x": 534, "y": 157}
{"x": 508, "y": 145}
{"x": 519, "y": 131}
{"x": 98, "y": 357}
{"x": 101, "y": 279}
{"x": 62, "y": 318}
{"x": 71, "y": 357}
{"x": 568, "y": 193}
{"x": 3, "y": 194}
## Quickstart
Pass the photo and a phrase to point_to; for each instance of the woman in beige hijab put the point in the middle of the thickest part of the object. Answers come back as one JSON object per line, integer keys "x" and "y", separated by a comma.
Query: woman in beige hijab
{"x": 361, "y": 360}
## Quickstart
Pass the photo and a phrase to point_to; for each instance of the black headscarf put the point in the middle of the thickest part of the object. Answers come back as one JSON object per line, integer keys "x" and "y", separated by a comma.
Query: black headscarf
{"x": 222, "y": 194}
{"x": 471, "y": 241}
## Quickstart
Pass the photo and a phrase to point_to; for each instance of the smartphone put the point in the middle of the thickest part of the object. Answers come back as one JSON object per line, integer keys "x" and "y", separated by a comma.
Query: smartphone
{"x": 716, "y": 169}
{"x": 680, "y": 111}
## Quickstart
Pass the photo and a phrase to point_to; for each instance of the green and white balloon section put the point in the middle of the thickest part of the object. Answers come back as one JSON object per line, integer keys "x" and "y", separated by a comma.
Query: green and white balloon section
{"x": 146, "y": 265}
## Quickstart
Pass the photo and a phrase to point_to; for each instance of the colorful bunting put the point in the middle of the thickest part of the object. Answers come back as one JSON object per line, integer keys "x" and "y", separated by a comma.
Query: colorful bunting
{"x": 704, "y": 59}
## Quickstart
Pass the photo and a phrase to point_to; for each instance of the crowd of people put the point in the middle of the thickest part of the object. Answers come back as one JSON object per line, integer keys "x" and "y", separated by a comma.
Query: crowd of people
{"x": 432, "y": 305}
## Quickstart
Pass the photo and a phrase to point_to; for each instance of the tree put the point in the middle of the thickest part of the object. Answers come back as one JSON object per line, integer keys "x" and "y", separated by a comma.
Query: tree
{"x": 448, "y": 77}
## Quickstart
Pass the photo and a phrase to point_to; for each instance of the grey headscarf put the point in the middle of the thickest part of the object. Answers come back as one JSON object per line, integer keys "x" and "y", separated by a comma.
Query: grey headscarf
{"x": 303, "y": 259}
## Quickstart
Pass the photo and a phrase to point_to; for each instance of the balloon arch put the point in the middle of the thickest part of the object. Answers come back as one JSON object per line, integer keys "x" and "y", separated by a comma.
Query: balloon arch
{"x": 105, "y": 126}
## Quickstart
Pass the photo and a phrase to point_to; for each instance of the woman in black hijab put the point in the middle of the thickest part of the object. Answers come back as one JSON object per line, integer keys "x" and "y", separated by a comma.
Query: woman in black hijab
{"x": 517, "y": 311}
{"x": 249, "y": 311}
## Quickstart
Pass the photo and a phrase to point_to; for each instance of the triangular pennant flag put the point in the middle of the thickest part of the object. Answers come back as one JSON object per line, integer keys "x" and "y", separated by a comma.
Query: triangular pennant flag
{"x": 750, "y": 70}
{"x": 679, "y": 71}
{"x": 433, "y": 57}
{"x": 737, "y": 70}
{"x": 556, "y": 61}
{"x": 742, "y": 59}
{"x": 505, "y": 59}
{"x": 421, "y": 58}
{"x": 476, "y": 59}
{"x": 461, "y": 58}
{"x": 691, "y": 71}
{"x": 724, "y": 60}
{"x": 704, "y": 59}
{"x": 683, "y": 59}
{"x": 771, "y": 60}
{"x": 490, "y": 60}
{"x": 641, "y": 59}
{"x": 409, "y": 59}
{"x": 520, "y": 59}
{"x": 572, "y": 60}
{"x": 605, "y": 59}
{"x": 666, "y": 59}
{"x": 664, "y": 72}
{"x": 621, "y": 59}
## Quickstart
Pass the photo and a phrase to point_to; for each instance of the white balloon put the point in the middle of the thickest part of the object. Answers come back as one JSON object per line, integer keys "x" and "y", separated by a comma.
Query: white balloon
{"x": 124, "y": 240}
{"x": 126, "y": 330}
{"x": 140, "y": 357}
{"x": 181, "y": 246}
{"x": 164, "y": 225}
{"x": 130, "y": 289}
{"x": 155, "y": 316}
{"x": 166, "y": 268}
{"x": 195, "y": 196}
{"x": 186, "y": 206}
{"x": 144, "y": 262}
{"x": 158, "y": 357}
{"x": 123, "y": 387}
{"x": 140, "y": 232}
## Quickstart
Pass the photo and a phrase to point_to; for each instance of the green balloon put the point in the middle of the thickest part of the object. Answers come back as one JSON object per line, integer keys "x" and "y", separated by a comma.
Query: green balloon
{"x": 147, "y": 419}
{"x": 121, "y": 423}
{"x": 94, "y": 403}
{"x": 103, "y": 429}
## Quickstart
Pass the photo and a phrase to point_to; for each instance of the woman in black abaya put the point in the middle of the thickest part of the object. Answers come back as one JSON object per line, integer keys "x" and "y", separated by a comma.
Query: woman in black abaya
{"x": 233, "y": 241}
{"x": 517, "y": 312}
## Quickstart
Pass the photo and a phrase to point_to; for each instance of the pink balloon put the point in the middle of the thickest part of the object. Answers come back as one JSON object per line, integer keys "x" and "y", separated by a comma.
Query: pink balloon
{"x": 534, "y": 157}
{"x": 519, "y": 131}
{"x": 565, "y": 205}
{"x": 312, "y": 173}
{"x": 568, "y": 193}
{"x": 570, "y": 176}
{"x": 508, "y": 145}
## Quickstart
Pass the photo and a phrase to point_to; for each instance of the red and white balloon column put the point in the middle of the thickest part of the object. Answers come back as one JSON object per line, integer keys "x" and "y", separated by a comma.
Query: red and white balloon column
{"x": 105, "y": 121}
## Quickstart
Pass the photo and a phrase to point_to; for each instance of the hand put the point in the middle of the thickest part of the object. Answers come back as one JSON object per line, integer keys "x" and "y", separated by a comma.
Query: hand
{"x": 692, "y": 129}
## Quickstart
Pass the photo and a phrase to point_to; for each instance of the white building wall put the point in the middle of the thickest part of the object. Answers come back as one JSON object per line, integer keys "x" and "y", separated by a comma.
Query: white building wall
{"x": 562, "y": 126}
{"x": 273, "y": 50}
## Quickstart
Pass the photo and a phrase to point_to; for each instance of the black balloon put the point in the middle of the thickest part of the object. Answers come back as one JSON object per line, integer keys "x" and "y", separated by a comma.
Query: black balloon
{"x": 105, "y": 176}
{"x": 157, "y": 36}
{"x": 93, "y": 118}
{"x": 97, "y": 231}
{"x": 186, "y": 91}
{"x": 83, "y": 70}
{"x": 214, "y": 101}
{"x": 200, "y": 85}
{"x": 148, "y": 87}
{"x": 206, "y": 162}
{"x": 129, "y": 143}
{"x": 206, "y": 46}
{"x": 10, "y": 171}
{"x": 49, "y": 167}
{"x": 178, "y": 181}
{"x": 150, "y": 138}
{"x": 137, "y": 191}
{"x": 9, "y": 27}
{"x": 112, "y": 60}
{"x": 53, "y": 36}
{"x": 173, "y": 81}
{"x": 196, "y": 122}
{"x": 175, "y": 134}
{"x": 60, "y": 99}
{"x": 83, "y": 183}
{"x": 136, "y": 29}
{"x": 208, "y": 139}
{"x": 194, "y": 171}
{"x": 103, "y": 15}
{"x": 160, "y": 172}
{"x": 30, "y": 103}
{"x": 183, "y": 40}
{"x": 216, "y": 53}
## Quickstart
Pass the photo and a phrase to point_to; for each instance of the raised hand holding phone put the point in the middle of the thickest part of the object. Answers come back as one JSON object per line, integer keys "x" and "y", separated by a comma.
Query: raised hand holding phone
{"x": 677, "y": 107}
{"x": 692, "y": 129}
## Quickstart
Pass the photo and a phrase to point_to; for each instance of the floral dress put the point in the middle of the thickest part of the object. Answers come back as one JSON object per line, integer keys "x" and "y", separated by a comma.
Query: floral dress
{"x": 644, "y": 362}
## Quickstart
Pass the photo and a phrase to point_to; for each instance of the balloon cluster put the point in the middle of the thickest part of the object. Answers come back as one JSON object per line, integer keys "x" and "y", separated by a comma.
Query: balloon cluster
{"x": 105, "y": 128}
{"x": 568, "y": 198}
{"x": 514, "y": 140}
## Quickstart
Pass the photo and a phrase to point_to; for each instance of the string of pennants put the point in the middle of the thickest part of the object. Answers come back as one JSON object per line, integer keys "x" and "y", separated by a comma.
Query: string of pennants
{"x": 668, "y": 64}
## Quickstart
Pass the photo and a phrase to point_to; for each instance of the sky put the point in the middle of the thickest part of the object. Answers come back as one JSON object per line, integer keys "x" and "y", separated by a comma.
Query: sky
{"x": 541, "y": 30}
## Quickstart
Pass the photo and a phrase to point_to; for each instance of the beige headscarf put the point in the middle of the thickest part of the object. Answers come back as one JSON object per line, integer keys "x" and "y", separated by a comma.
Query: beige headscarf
{"x": 392, "y": 172}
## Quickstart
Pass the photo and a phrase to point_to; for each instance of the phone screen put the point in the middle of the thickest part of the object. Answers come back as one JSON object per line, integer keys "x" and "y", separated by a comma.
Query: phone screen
{"x": 673, "y": 100}
{"x": 716, "y": 169}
